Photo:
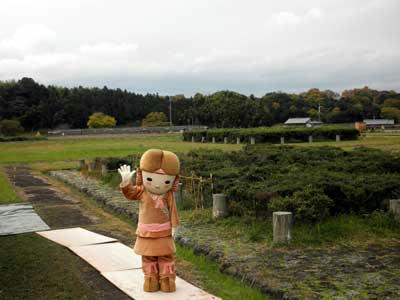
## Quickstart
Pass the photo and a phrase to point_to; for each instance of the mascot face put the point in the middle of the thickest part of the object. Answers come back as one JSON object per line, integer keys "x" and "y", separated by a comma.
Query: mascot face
{"x": 159, "y": 171}
{"x": 157, "y": 183}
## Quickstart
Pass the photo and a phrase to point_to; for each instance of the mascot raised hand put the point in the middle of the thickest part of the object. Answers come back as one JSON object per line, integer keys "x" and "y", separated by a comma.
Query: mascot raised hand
{"x": 156, "y": 180}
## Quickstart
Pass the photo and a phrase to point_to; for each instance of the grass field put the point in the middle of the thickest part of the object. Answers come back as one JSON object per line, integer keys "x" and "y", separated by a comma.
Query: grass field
{"x": 7, "y": 193}
{"x": 30, "y": 255}
{"x": 70, "y": 148}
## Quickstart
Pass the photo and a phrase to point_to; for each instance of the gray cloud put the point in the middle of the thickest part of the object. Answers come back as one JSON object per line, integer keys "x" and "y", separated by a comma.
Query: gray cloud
{"x": 173, "y": 47}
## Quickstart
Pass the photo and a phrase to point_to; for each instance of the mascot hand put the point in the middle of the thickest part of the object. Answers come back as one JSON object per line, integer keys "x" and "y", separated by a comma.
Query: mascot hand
{"x": 126, "y": 174}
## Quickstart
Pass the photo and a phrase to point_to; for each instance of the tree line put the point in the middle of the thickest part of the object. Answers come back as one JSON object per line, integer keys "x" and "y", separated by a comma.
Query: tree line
{"x": 37, "y": 106}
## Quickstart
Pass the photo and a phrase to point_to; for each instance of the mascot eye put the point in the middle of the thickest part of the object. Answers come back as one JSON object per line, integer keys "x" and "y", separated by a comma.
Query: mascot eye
{"x": 149, "y": 179}
{"x": 167, "y": 182}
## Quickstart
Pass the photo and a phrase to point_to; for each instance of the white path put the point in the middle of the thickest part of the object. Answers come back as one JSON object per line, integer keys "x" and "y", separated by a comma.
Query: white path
{"x": 119, "y": 264}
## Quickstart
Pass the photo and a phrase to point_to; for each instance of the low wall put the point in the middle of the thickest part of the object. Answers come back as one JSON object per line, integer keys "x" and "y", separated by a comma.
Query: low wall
{"x": 124, "y": 130}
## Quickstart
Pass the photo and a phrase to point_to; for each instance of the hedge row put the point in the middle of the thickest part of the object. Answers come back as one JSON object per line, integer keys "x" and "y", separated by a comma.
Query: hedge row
{"x": 20, "y": 138}
{"x": 273, "y": 134}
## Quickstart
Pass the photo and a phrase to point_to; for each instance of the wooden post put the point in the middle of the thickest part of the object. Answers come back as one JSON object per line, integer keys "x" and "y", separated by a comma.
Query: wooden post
{"x": 192, "y": 139}
{"x": 81, "y": 164}
{"x": 104, "y": 169}
{"x": 337, "y": 138}
{"x": 238, "y": 140}
{"x": 310, "y": 138}
{"x": 394, "y": 207}
{"x": 213, "y": 140}
{"x": 91, "y": 166}
{"x": 282, "y": 226}
{"x": 252, "y": 140}
{"x": 282, "y": 140}
{"x": 225, "y": 140}
{"x": 178, "y": 194}
{"x": 220, "y": 206}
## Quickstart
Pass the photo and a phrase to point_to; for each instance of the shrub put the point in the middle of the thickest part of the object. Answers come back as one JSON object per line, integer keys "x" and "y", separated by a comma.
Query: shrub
{"x": 100, "y": 120}
{"x": 154, "y": 119}
{"x": 11, "y": 127}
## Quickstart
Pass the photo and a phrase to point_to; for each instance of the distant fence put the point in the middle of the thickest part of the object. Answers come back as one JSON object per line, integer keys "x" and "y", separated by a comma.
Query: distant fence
{"x": 124, "y": 130}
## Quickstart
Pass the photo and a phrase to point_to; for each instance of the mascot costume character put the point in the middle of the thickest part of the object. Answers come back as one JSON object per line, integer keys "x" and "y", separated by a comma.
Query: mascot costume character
{"x": 156, "y": 180}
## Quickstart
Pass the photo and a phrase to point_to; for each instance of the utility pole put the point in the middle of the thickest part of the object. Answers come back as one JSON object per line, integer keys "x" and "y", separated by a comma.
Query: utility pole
{"x": 170, "y": 111}
{"x": 319, "y": 111}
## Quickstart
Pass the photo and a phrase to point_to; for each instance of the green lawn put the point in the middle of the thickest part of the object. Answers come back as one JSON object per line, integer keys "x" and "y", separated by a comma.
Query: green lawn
{"x": 32, "y": 267}
{"x": 7, "y": 193}
{"x": 57, "y": 149}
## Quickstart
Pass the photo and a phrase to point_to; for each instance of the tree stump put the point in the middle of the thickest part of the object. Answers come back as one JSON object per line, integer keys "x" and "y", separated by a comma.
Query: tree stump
{"x": 337, "y": 138}
{"x": 282, "y": 140}
{"x": 238, "y": 140}
{"x": 252, "y": 141}
{"x": 394, "y": 207}
{"x": 220, "y": 206}
{"x": 225, "y": 140}
{"x": 282, "y": 226}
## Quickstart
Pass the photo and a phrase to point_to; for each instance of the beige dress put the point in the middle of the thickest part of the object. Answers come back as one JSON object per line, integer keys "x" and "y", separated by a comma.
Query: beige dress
{"x": 156, "y": 219}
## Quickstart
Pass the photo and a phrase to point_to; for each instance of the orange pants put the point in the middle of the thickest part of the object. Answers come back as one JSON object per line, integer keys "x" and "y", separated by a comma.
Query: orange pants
{"x": 158, "y": 266}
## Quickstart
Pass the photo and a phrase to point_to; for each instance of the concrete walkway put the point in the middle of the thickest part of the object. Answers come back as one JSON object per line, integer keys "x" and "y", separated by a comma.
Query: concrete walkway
{"x": 119, "y": 264}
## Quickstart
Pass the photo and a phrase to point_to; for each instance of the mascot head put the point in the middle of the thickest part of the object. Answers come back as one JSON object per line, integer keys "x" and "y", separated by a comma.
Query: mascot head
{"x": 159, "y": 171}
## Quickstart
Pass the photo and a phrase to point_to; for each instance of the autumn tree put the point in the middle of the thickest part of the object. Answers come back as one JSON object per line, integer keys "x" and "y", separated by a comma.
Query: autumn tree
{"x": 155, "y": 119}
{"x": 100, "y": 120}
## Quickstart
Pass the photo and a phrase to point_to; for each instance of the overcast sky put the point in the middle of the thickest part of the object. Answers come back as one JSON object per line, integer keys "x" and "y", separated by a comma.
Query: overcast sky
{"x": 188, "y": 46}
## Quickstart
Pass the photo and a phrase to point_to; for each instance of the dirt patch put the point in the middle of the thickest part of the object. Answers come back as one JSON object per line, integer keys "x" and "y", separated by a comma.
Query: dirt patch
{"x": 63, "y": 216}
{"x": 26, "y": 180}
{"x": 46, "y": 196}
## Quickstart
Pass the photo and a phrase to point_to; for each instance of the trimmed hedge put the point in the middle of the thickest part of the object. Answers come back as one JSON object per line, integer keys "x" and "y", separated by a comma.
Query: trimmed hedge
{"x": 273, "y": 134}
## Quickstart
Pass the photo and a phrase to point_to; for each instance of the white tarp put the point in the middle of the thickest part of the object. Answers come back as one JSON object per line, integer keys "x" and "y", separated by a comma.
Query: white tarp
{"x": 19, "y": 218}
{"x": 131, "y": 282}
{"x": 72, "y": 237}
{"x": 109, "y": 257}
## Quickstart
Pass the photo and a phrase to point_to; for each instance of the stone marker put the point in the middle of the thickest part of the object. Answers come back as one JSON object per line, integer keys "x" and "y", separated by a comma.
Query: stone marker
{"x": 337, "y": 138}
{"x": 213, "y": 140}
{"x": 91, "y": 166}
{"x": 310, "y": 138}
{"x": 238, "y": 140}
{"x": 202, "y": 139}
{"x": 192, "y": 139}
{"x": 282, "y": 226}
{"x": 394, "y": 207}
{"x": 252, "y": 140}
{"x": 104, "y": 169}
{"x": 220, "y": 206}
{"x": 225, "y": 140}
{"x": 178, "y": 194}
{"x": 282, "y": 140}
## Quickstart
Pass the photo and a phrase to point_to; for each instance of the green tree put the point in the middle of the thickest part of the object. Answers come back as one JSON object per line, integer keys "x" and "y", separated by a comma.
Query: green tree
{"x": 391, "y": 113}
{"x": 100, "y": 120}
{"x": 155, "y": 119}
{"x": 10, "y": 127}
